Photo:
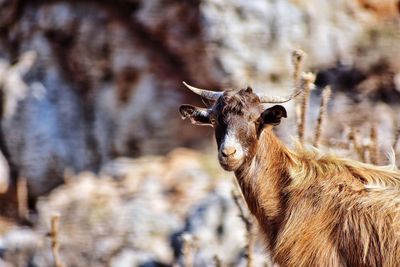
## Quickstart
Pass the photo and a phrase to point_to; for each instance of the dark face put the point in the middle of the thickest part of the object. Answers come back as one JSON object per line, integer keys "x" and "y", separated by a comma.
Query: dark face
{"x": 238, "y": 119}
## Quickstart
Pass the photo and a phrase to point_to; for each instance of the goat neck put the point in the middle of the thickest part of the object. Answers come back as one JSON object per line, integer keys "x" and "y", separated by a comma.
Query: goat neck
{"x": 264, "y": 180}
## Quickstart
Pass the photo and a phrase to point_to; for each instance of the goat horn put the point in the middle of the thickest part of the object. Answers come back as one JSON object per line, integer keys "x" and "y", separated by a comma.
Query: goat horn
{"x": 307, "y": 81}
{"x": 210, "y": 95}
{"x": 278, "y": 99}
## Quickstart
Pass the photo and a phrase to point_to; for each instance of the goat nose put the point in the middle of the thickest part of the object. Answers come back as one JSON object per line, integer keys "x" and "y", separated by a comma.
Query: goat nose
{"x": 228, "y": 151}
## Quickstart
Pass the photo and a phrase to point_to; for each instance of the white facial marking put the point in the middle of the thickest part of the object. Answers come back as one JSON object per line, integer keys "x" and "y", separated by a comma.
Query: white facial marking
{"x": 230, "y": 140}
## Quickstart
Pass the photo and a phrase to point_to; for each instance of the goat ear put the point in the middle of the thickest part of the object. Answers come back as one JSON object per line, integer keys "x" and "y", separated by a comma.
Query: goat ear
{"x": 198, "y": 116}
{"x": 273, "y": 115}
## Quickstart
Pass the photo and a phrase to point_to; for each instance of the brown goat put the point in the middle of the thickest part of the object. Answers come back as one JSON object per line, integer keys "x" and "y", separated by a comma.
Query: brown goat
{"x": 314, "y": 210}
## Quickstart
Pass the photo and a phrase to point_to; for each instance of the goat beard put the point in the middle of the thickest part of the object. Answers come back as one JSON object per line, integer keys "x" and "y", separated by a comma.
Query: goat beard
{"x": 230, "y": 165}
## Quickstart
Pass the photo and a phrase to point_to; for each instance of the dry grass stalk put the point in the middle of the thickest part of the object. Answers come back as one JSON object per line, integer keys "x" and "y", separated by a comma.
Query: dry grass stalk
{"x": 250, "y": 243}
{"x": 189, "y": 247}
{"x": 69, "y": 176}
{"x": 339, "y": 144}
{"x": 373, "y": 146}
{"x": 323, "y": 108}
{"x": 248, "y": 221}
{"x": 359, "y": 149}
{"x": 268, "y": 263}
{"x": 307, "y": 82}
{"x": 55, "y": 218}
{"x": 217, "y": 261}
{"x": 297, "y": 60}
{"x": 4, "y": 171}
{"x": 396, "y": 136}
{"x": 22, "y": 198}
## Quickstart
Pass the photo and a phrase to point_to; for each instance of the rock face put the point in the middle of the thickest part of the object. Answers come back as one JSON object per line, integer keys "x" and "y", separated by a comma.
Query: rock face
{"x": 106, "y": 77}
{"x": 105, "y": 82}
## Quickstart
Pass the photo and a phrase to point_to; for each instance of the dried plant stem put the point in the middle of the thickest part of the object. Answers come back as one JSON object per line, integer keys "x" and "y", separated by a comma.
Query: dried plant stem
{"x": 268, "y": 263}
{"x": 251, "y": 244}
{"x": 396, "y": 137}
{"x": 188, "y": 249}
{"x": 373, "y": 147}
{"x": 217, "y": 261}
{"x": 339, "y": 144}
{"x": 323, "y": 108}
{"x": 248, "y": 221}
{"x": 353, "y": 139}
{"x": 297, "y": 60}
{"x": 55, "y": 218}
{"x": 22, "y": 196}
{"x": 307, "y": 82}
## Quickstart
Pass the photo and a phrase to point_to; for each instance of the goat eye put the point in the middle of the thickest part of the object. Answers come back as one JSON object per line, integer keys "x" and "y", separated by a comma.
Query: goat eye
{"x": 257, "y": 122}
{"x": 213, "y": 121}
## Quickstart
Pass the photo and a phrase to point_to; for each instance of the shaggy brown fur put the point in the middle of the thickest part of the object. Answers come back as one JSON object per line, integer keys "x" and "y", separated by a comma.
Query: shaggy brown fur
{"x": 322, "y": 210}
{"x": 313, "y": 210}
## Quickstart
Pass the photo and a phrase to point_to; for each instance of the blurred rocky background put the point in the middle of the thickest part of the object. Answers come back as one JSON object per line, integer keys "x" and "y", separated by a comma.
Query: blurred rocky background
{"x": 90, "y": 128}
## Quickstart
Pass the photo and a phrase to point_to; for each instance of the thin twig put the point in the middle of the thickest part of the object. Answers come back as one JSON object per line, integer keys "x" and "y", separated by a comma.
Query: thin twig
{"x": 22, "y": 196}
{"x": 339, "y": 144}
{"x": 217, "y": 261}
{"x": 373, "y": 146}
{"x": 251, "y": 244}
{"x": 188, "y": 249}
{"x": 307, "y": 82}
{"x": 248, "y": 221}
{"x": 242, "y": 214}
{"x": 353, "y": 139}
{"x": 55, "y": 218}
{"x": 396, "y": 136}
{"x": 297, "y": 60}
{"x": 323, "y": 108}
